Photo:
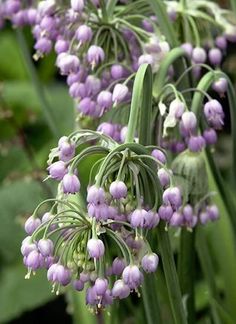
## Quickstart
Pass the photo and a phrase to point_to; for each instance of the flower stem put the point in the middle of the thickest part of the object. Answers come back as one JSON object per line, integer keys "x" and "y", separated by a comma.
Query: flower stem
{"x": 171, "y": 276}
{"x": 186, "y": 266}
{"x": 47, "y": 110}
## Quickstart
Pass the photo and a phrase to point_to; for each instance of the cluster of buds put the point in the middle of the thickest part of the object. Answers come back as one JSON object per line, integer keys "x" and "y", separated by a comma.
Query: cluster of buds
{"x": 181, "y": 125}
{"x": 98, "y": 61}
{"x": 71, "y": 241}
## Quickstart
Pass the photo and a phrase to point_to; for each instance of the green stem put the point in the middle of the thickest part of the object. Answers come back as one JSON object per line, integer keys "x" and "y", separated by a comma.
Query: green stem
{"x": 207, "y": 268}
{"x": 160, "y": 78}
{"x": 47, "y": 110}
{"x": 143, "y": 73}
{"x": 186, "y": 271}
{"x": 150, "y": 300}
{"x": 171, "y": 276}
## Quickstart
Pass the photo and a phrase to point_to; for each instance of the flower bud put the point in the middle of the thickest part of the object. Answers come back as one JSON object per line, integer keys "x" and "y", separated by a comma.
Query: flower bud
{"x": 118, "y": 266}
{"x": 45, "y": 247}
{"x": 84, "y": 34}
{"x": 199, "y": 55}
{"x": 213, "y": 212}
{"x": 68, "y": 63}
{"x": 95, "y": 248}
{"x": 188, "y": 48}
{"x": 165, "y": 213}
{"x": 100, "y": 286}
{"x": 120, "y": 289}
{"x": 57, "y": 170}
{"x": 176, "y": 108}
{"x": 220, "y": 86}
{"x": 32, "y": 224}
{"x": 95, "y": 55}
{"x": 137, "y": 218}
{"x": 150, "y": 262}
{"x": 61, "y": 46}
{"x": 188, "y": 213}
{"x": 119, "y": 93}
{"x": 189, "y": 121}
{"x": 210, "y": 136}
{"x": 214, "y": 114}
{"x": 118, "y": 189}
{"x": 176, "y": 219}
{"x": 77, "y": 5}
{"x": 196, "y": 143}
{"x": 163, "y": 177}
{"x": 215, "y": 56}
{"x": 95, "y": 195}
{"x": 104, "y": 99}
{"x": 132, "y": 276}
{"x": 78, "y": 285}
{"x": 70, "y": 183}
{"x": 117, "y": 71}
{"x": 172, "y": 196}
{"x": 159, "y": 155}
{"x": 221, "y": 42}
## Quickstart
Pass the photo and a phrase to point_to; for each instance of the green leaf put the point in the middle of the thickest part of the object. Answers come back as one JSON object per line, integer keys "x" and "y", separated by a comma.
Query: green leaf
{"x": 18, "y": 295}
{"x": 16, "y": 200}
{"x": 11, "y": 63}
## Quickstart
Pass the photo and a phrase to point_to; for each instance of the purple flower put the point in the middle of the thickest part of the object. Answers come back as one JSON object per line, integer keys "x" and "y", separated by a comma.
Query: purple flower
{"x": 132, "y": 276}
{"x": 61, "y": 46}
{"x": 93, "y": 85}
{"x": 57, "y": 170}
{"x": 77, "y": 5}
{"x": 159, "y": 155}
{"x": 95, "y": 55}
{"x": 78, "y": 285}
{"x": 104, "y": 100}
{"x": 58, "y": 273}
{"x": 95, "y": 248}
{"x": 120, "y": 289}
{"x": 71, "y": 183}
{"x": 214, "y": 114}
{"x": 210, "y": 136}
{"x": 68, "y": 63}
{"x": 43, "y": 45}
{"x": 118, "y": 189}
{"x": 28, "y": 246}
{"x": 100, "y": 286}
{"x": 163, "y": 177}
{"x": 117, "y": 71}
{"x": 46, "y": 7}
{"x": 95, "y": 195}
{"x": 176, "y": 108}
{"x": 177, "y": 219}
{"x": 213, "y": 212}
{"x": 221, "y": 42}
{"x": 45, "y": 247}
{"x": 215, "y": 56}
{"x": 196, "y": 143}
{"x": 150, "y": 262}
{"x": 84, "y": 34}
{"x": 34, "y": 260}
{"x": 145, "y": 58}
{"x": 151, "y": 219}
{"x": 172, "y": 196}
{"x": 220, "y": 86}
{"x": 120, "y": 91}
{"x": 137, "y": 218}
{"x": 188, "y": 213}
{"x": 165, "y": 213}
{"x": 188, "y": 48}
{"x": 204, "y": 217}
{"x": 107, "y": 129}
{"x": 199, "y": 55}
{"x": 66, "y": 149}
{"x": 118, "y": 266}
{"x": 189, "y": 121}
{"x": 32, "y": 224}
{"x": 87, "y": 106}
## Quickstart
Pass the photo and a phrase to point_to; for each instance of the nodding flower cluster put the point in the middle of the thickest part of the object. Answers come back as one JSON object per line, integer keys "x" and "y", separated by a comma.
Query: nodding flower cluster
{"x": 71, "y": 241}
{"x": 131, "y": 188}
{"x": 181, "y": 125}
